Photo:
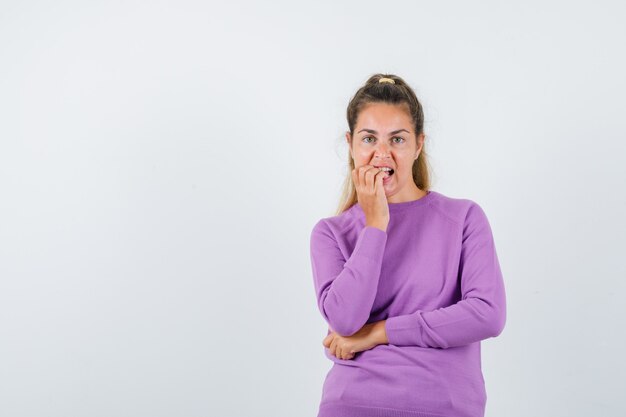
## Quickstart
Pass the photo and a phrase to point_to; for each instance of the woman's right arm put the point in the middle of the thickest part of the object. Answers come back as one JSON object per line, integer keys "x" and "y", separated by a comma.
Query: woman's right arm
{"x": 346, "y": 289}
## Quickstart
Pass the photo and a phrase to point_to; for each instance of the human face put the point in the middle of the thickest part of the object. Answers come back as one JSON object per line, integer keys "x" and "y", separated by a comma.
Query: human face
{"x": 384, "y": 136}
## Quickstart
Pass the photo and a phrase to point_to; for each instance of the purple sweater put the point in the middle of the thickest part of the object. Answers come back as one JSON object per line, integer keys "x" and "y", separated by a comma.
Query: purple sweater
{"x": 434, "y": 276}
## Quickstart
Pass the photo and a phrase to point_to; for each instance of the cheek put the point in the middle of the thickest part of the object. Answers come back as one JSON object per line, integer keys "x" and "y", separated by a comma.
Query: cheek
{"x": 405, "y": 173}
{"x": 362, "y": 158}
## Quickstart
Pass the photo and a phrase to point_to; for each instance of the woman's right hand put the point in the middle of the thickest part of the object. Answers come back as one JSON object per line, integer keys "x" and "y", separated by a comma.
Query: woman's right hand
{"x": 368, "y": 182}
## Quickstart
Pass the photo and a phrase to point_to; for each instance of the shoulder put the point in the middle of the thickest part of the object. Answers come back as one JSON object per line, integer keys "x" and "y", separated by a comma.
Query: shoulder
{"x": 335, "y": 226}
{"x": 459, "y": 210}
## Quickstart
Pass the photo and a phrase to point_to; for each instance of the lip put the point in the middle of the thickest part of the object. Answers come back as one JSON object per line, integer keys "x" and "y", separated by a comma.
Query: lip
{"x": 384, "y": 166}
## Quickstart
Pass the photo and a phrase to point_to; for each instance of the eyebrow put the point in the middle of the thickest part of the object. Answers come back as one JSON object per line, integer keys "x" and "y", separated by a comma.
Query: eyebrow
{"x": 375, "y": 132}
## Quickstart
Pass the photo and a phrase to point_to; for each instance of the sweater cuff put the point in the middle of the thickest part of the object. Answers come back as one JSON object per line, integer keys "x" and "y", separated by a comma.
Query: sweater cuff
{"x": 403, "y": 330}
{"x": 371, "y": 243}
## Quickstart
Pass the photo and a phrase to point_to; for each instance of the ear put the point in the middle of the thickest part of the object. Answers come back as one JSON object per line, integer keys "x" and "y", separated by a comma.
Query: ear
{"x": 349, "y": 140}
{"x": 420, "y": 144}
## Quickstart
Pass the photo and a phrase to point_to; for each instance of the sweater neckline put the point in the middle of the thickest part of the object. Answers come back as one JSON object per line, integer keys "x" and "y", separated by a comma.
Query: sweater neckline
{"x": 405, "y": 205}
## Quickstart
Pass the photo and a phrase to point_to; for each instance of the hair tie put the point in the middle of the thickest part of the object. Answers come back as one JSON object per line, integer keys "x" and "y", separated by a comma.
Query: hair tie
{"x": 386, "y": 80}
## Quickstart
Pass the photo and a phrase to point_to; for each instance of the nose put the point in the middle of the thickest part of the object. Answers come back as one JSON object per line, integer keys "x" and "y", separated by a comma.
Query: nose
{"x": 382, "y": 150}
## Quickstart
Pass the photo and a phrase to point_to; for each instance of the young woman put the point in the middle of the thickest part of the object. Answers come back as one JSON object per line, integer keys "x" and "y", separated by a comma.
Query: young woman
{"x": 407, "y": 278}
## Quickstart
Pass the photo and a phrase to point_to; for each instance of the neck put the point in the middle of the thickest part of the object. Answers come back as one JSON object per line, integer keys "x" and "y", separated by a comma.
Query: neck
{"x": 413, "y": 193}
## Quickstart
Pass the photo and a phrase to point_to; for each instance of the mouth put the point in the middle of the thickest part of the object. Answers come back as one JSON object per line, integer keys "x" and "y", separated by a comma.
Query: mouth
{"x": 388, "y": 170}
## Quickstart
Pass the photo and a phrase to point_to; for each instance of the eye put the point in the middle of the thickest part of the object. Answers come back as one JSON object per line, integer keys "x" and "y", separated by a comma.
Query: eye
{"x": 402, "y": 140}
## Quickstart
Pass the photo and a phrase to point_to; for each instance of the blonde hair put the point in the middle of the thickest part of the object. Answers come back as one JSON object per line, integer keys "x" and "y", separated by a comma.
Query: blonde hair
{"x": 396, "y": 92}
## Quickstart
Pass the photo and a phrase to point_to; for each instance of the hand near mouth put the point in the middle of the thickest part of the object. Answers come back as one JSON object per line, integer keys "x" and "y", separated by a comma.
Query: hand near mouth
{"x": 368, "y": 182}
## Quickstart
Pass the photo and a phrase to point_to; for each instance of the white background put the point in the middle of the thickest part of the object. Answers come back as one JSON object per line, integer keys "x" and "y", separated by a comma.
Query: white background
{"x": 162, "y": 164}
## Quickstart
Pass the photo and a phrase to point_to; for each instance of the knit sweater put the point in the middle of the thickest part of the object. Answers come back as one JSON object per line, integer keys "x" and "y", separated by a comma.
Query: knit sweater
{"x": 434, "y": 276}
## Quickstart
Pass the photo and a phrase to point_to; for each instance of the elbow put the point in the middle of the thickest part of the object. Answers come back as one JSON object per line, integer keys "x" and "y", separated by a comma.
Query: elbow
{"x": 497, "y": 322}
{"x": 492, "y": 316}
{"x": 345, "y": 322}
{"x": 344, "y": 327}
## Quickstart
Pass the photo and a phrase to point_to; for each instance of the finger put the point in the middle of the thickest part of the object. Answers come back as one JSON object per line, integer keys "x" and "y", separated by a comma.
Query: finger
{"x": 377, "y": 179}
{"x": 355, "y": 178}
{"x": 351, "y": 354}
{"x": 367, "y": 177}
{"x": 379, "y": 175}
{"x": 346, "y": 354}
{"x": 362, "y": 175}
{"x": 333, "y": 347}
{"x": 359, "y": 179}
{"x": 342, "y": 352}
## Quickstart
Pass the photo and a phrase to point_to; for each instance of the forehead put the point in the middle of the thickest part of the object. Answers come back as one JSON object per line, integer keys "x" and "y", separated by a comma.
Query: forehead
{"x": 383, "y": 116}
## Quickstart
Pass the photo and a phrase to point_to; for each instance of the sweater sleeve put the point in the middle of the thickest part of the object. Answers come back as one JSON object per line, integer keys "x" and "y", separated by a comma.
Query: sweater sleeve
{"x": 480, "y": 314}
{"x": 346, "y": 289}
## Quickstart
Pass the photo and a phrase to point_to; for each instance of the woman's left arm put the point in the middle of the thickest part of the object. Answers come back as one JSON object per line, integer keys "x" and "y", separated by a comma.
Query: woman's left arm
{"x": 480, "y": 314}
